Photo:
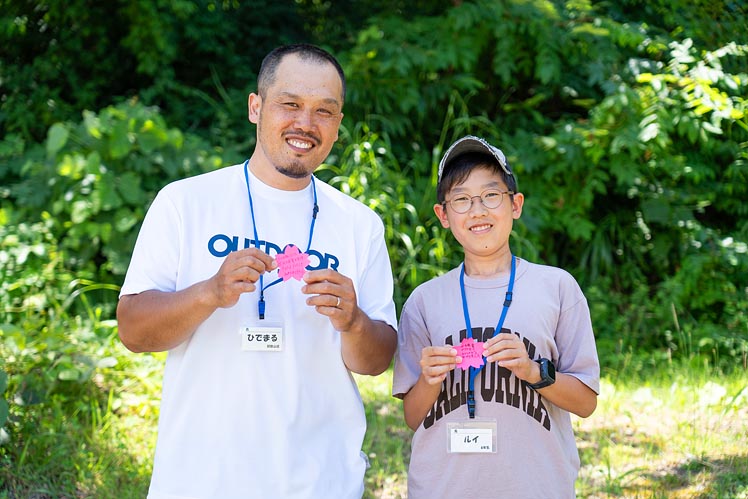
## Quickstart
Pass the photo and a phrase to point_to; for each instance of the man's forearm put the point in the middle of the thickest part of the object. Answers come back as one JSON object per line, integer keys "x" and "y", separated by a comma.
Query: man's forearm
{"x": 368, "y": 349}
{"x": 154, "y": 321}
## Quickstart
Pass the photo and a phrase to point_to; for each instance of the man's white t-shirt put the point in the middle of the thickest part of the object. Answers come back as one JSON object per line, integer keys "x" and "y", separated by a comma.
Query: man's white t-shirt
{"x": 237, "y": 423}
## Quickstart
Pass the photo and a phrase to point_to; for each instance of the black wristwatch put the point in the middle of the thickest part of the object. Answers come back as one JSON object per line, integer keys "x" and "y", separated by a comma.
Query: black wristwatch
{"x": 547, "y": 374}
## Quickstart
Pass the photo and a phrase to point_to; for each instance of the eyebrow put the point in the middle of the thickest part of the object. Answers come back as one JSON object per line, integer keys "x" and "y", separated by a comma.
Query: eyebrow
{"x": 489, "y": 185}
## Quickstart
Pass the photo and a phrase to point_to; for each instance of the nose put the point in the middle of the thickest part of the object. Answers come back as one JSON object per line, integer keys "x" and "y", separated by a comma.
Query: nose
{"x": 305, "y": 119}
{"x": 476, "y": 206}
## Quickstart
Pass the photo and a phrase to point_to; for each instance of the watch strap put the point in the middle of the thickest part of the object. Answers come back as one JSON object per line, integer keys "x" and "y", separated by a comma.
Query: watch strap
{"x": 547, "y": 374}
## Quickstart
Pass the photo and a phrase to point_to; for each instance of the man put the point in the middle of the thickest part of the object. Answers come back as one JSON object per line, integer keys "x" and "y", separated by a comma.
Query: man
{"x": 267, "y": 288}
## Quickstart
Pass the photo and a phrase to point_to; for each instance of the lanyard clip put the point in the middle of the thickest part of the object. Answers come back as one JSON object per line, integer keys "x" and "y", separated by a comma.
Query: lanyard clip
{"x": 261, "y": 308}
{"x": 508, "y": 298}
{"x": 471, "y": 403}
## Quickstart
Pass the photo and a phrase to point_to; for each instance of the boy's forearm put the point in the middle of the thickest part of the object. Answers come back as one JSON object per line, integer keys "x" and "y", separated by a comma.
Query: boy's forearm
{"x": 570, "y": 394}
{"x": 419, "y": 401}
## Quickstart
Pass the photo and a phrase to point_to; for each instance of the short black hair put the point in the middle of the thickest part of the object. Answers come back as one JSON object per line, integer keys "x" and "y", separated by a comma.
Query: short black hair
{"x": 458, "y": 169}
{"x": 306, "y": 52}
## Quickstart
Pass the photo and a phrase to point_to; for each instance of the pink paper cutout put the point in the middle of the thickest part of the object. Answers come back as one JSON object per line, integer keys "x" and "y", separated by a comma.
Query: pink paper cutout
{"x": 471, "y": 351}
{"x": 292, "y": 263}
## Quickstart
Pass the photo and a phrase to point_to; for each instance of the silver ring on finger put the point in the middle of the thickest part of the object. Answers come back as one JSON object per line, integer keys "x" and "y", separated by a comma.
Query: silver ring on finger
{"x": 337, "y": 305}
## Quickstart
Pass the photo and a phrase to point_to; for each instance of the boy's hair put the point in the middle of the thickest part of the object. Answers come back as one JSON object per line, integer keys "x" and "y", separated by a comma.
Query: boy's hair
{"x": 306, "y": 52}
{"x": 464, "y": 156}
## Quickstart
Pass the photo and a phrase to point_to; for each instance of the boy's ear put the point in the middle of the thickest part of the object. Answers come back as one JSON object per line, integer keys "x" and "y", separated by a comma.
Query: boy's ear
{"x": 518, "y": 202}
{"x": 441, "y": 214}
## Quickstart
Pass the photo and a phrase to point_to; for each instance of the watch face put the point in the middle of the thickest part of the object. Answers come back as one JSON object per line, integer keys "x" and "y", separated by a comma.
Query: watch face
{"x": 551, "y": 370}
{"x": 547, "y": 374}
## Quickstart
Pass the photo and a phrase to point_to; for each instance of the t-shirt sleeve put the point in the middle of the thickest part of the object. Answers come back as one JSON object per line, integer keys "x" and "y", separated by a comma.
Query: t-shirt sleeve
{"x": 376, "y": 285}
{"x": 412, "y": 337}
{"x": 156, "y": 254}
{"x": 575, "y": 338}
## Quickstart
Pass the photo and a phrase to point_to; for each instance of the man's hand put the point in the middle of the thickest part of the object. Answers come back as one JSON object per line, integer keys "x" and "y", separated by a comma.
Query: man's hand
{"x": 367, "y": 345}
{"x": 238, "y": 274}
{"x": 333, "y": 296}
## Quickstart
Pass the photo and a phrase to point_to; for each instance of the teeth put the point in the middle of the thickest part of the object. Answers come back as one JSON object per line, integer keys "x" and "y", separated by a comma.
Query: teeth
{"x": 300, "y": 144}
{"x": 480, "y": 227}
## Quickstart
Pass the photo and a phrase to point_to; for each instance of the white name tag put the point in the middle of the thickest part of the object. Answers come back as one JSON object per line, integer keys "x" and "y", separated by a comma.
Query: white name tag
{"x": 265, "y": 338}
{"x": 472, "y": 437}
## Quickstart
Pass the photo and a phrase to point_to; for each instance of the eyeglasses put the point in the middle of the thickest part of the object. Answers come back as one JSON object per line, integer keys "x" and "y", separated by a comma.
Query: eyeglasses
{"x": 491, "y": 199}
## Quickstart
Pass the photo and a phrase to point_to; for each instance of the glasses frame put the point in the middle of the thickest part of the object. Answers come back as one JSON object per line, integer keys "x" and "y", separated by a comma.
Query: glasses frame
{"x": 482, "y": 200}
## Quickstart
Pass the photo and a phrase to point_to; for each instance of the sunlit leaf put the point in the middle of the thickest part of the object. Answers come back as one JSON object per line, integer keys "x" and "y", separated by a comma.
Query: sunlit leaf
{"x": 56, "y": 138}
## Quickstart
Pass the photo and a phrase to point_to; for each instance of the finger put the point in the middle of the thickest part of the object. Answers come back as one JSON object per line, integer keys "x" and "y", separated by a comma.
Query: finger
{"x": 502, "y": 339}
{"x": 324, "y": 275}
{"x": 254, "y": 258}
{"x": 435, "y": 374}
{"x": 439, "y": 350}
{"x": 330, "y": 301}
{"x": 343, "y": 290}
{"x": 506, "y": 354}
{"x": 511, "y": 363}
{"x": 442, "y": 360}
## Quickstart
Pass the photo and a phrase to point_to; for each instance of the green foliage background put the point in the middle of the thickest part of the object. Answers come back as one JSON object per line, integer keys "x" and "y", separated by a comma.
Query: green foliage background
{"x": 625, "y": 122}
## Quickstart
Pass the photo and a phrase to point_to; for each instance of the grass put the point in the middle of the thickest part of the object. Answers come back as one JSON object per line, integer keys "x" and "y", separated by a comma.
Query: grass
{"x": 650, "y": 437}
{"x": 680, "y": 433}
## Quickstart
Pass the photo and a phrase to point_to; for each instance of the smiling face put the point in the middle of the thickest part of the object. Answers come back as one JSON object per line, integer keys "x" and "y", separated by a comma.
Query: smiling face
{"x": 297, "y": 122}
{"x": 482, "y": 232}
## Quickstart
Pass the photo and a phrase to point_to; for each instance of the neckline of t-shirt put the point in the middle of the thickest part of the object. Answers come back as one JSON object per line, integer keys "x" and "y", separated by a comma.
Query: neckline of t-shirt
{"x": 501, "y": 281}
{"x": 263, "y": 190}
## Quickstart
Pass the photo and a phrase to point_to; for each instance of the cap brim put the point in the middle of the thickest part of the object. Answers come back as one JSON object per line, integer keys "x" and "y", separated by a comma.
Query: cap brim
{"x": 469, "y": 144}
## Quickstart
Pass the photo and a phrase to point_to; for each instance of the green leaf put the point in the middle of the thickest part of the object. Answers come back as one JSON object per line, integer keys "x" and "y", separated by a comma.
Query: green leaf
{"x": 3, "y": 382}
{"x": 129, "y": 187}
{"x": 125, "y": 219}
{"x": 108, "y": 194}
{"x": 81, "y": 211}
{"x": 649, "y": 132}
{"x": 106, "y": 362}
{"x": 119, "y": 142}
{"x": 57, "y": 137}
{"x": 3, "y": 412}
{"x": 69, "y": 375}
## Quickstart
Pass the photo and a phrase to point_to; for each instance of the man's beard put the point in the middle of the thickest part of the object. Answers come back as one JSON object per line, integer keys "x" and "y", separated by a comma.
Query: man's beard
{"x": 294, "y": 170}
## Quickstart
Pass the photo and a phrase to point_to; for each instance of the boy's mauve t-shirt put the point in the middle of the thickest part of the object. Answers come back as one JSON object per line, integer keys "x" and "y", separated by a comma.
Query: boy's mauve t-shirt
{"x": 536, "y": 451}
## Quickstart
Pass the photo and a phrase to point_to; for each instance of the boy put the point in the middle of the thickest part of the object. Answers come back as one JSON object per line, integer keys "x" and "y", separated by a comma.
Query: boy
{"x": 494, "y": 355}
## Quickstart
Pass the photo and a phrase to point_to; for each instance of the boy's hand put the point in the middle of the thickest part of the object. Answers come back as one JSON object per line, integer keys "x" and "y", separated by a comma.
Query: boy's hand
{"x": 436, "y": 362}
{"x": 510, "y": 352}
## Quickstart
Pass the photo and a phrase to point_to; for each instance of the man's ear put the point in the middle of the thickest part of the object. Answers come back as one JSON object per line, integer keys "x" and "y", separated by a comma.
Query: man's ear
{"x": 441, "y": 214}
{"x": 254, "y": 103}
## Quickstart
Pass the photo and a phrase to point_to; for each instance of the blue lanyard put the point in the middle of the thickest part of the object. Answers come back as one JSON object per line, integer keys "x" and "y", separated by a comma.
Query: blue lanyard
{"x": 507, "y": 302}
{"x": 315, "y": 210}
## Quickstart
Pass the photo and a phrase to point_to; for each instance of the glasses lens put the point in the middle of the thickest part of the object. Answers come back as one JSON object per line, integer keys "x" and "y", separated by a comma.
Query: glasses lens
{"x": 461, "y": 204}
{"x": 492, "y": 199}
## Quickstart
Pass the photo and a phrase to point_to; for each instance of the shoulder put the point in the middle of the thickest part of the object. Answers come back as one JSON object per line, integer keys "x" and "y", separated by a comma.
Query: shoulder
{"x": 549, "y": 273}
{"x": 202, "y": 185}
{"x": 552, "y": 281}
{"x": 203, "y": 181}
{"x": 430, "y": 291}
